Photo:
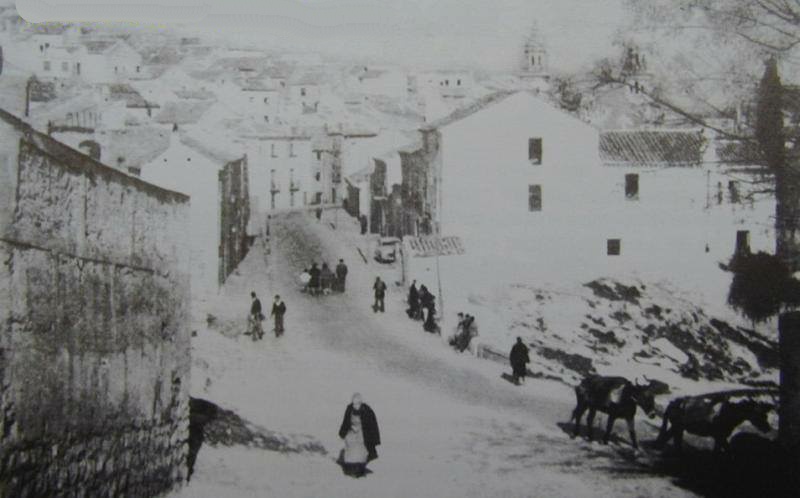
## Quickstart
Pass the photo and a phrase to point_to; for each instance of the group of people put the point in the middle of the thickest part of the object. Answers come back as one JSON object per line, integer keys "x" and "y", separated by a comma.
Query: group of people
{"x": 422, "y": 307}
{"x": 466, "y": 330}
{"x": 257, "y": 316}
{"x": 323, "y": 280}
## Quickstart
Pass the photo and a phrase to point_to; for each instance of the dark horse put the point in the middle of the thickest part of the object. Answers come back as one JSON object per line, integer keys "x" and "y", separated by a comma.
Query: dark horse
{"x": 710, "y": 416}
{"x": 615, "y": 396}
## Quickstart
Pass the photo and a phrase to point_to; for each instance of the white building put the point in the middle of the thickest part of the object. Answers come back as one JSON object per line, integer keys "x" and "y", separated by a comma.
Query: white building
{"x": 523, "y": 185}
{"x": 193, "y": 168}
{"x": 369, "y": 81}
{"x": 106, "y": 61}
{"x": 281, "y": 172}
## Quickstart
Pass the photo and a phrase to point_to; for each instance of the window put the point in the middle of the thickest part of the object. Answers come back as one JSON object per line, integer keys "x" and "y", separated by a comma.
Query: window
{"x": 534, "y": 197}
{"x": 272, "y": 150}
{"x": 69, "y": 119}
{"x": 613, "y": 247}
{"x": 291, "y": 149}
{"x": 535, "y": 150}
{"x": 632, "y": 186}
{"x": 303, "y": 92}
{"x": 65, "y": 67}
{"x": 266, "y": 100}
{"x": 138, "y": 69}
{"x": 319, "y": 155}
{"x": 46, "y": 65}
{"x": 743, "y": 242}
{"x": 733, "y": 190}
{"x": 266, "y": 119}
{"x": 458, "y": 83}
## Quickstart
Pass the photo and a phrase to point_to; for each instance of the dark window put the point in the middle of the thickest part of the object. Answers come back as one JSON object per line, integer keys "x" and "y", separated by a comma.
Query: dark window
{"x": 632, "y": 186}
{"x": 46, "y": 65}
{"x": 138, "y": 69}
{"x": 743, "y": 242}
{"x": 613, "y": 247}
{"x": 272, "y": 150}
{"x": 733, "y": 189}
{"x": 535, "y": 150}
{"x": 303, "y": 92}
{"x": 534, "y": 197}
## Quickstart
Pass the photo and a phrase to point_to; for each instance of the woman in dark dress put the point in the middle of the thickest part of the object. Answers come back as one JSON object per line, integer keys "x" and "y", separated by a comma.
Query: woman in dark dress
{"x": 359, "y": 430}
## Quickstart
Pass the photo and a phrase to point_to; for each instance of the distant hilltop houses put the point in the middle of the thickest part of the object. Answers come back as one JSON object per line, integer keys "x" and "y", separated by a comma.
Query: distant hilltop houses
{"x": 408, "y": 153}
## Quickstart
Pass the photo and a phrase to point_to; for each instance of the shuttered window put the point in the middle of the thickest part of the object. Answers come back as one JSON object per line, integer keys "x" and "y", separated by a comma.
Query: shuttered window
{"x": 535, "y": 150}
{"x": 534, "y": 197}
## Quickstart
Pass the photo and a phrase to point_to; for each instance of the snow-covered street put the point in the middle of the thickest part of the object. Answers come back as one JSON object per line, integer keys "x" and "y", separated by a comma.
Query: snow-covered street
{"x": 450, "y": 425}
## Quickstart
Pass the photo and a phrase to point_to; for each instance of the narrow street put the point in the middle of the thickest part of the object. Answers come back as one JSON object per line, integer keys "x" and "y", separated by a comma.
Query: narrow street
{"x": 450, "y": 425}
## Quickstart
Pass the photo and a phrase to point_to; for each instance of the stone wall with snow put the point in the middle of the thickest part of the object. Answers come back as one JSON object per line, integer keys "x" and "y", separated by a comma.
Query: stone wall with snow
{"x": 94, "y": 349}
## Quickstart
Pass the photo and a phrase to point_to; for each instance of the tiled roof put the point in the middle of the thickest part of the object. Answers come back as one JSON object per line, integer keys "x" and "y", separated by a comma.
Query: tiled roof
{"x": 183, "y": 112}
{"x": 426, "y": 246}
{"x": 647, "y": 147}
{"x": 99, "y": 46}
{"x": 469, "y": 110}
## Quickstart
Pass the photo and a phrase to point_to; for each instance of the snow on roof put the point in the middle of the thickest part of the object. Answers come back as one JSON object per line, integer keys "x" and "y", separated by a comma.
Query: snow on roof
{"x": 215, "y": 147}
{"x": 99, "y": 46}
{"x": 58, "y": 109}
{"x": 647, "y": 147}
{"x": 132, "y": 98}
{"x": 307, "y": 77}
{"x": 469, "y": 110}
{"x": 138, "y": 145}
{"x": 427, "y": 246}
{"x": 255, "y": 85}
{"x": 195, "y": 94}
{"x": 183, "y": 112}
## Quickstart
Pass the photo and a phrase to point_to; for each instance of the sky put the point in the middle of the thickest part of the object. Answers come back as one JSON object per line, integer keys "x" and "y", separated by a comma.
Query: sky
{"x": 485, "y": 34}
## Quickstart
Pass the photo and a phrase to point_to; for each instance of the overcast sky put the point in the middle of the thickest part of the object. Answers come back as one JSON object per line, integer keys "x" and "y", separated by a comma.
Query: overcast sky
{"x": 478, "y": 33}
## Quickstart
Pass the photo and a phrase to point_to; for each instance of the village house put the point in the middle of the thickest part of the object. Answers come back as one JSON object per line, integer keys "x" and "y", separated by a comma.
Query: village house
{"x": 192, "y": 167}
{"x": 280, "y": 168}
{"x": 370, "y": 81}
{"x": 107, "y": 61}
{"x": 524, "y": 186}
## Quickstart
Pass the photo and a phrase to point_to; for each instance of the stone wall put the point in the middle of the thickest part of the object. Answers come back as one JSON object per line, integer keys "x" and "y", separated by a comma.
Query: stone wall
{"x": 94, "y": 344}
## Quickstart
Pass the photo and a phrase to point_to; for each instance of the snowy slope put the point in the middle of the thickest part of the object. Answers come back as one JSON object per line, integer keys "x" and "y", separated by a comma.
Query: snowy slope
{"x": 450, "y": 425}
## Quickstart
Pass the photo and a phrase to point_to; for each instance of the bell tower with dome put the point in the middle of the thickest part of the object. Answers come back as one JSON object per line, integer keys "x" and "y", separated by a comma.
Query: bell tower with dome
{"x": 534, "y": 67}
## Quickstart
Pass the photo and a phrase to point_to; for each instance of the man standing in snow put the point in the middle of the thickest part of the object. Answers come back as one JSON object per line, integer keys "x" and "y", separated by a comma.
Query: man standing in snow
{"x": 278, "y": 310}
{"x": 519, "y": 359}
{"x": 413, "y": 301}
{"x": 255, "y": 317}
{"x": 380, "y": 293}
{"x": 341, "y": 275}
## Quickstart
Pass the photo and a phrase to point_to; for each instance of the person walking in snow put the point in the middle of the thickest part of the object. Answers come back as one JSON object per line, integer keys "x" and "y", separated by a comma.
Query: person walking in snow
{"x": 341, "y": 275}
{"x": 413, "y": 302}
{"x": 361, "y": 435}
{"x": 256, "y": 317}
{"x": 456, "y": 337}
{"x": 305, "y": 278}
{"x": 313, "y": 284}
{"x": 519, "y": 358}
{"x": 326, "y": 279}
{"x": 278, "y": 310}
{"x": 380, "y": 294}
